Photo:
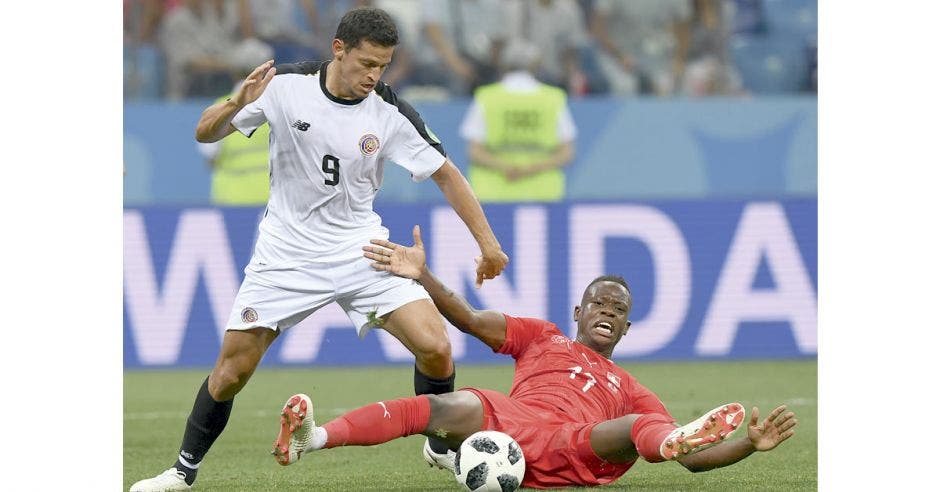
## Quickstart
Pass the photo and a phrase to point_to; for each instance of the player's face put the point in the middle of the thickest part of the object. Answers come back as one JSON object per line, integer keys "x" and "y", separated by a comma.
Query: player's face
{"x": 602, "y": 316}
{"x": 361, "y": 67}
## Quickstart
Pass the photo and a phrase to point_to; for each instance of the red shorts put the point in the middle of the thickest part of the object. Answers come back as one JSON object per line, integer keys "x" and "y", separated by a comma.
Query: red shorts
{"x": 557, "y": 453}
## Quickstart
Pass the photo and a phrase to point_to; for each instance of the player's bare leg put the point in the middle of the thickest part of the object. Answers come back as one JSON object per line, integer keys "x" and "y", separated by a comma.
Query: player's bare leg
{"x": 454, "y": 417}
{"x": 420, "y": 328}
{"x": 239, "y": 357}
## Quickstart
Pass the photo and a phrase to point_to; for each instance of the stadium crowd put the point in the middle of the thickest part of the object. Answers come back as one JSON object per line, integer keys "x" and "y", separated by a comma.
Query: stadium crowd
{"x": 177, "y": 49}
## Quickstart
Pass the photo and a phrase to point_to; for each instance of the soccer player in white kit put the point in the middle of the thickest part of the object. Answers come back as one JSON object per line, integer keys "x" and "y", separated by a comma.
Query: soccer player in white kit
{"x": 332, "y": 126}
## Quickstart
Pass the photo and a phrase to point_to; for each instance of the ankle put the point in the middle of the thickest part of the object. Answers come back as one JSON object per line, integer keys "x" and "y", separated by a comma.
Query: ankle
{"x": 188, "y": 469}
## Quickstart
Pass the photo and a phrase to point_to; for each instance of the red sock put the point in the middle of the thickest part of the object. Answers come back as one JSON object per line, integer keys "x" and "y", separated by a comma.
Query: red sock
{"x": 648, "y": 432}
{"x": 379, "y": 422}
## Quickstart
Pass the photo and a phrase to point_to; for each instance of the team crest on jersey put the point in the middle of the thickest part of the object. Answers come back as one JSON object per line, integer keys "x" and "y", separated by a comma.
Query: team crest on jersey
{"x": 561, "y": 339}
{"x": 368, "y": 144}
{"x": 249, "y": 315}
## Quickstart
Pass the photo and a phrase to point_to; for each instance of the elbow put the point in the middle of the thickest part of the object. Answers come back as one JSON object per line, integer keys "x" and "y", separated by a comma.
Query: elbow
{"x": 446, "y": 174}
{"x": 204, "y": 136}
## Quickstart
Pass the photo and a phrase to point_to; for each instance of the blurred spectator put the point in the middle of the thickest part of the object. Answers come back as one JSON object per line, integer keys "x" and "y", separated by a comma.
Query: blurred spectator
{"x": 239, "y": 164}
{"x": 749, "y": 17}
{"x": 466, "y": 37}
{"x": 520, "y": 133}
{"x": 644, "y": 43}
{"x": 710, "y": 70}
{"x": 558, "y": 29}
{"x": 143, "y": 63}
{"x": 406, "y": 14}
{"x": 205, "y": 43}
{"x": 279, "y": 24}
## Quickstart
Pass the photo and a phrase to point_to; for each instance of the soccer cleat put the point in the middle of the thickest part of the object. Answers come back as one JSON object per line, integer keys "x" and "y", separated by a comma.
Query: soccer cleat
{"x": 168, "y": 481}
{"x": 444, "y": 461}
{"x": 704, "y": 432}
{"x": 296, "y": 429}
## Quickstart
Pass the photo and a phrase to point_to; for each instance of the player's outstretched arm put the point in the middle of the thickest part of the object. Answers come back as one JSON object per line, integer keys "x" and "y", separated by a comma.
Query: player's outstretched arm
{"x": 216, "y": 121}
{"x": 465, "y": 203}
{"x": 763, "y": 436}
{"x": 409, "y": 262}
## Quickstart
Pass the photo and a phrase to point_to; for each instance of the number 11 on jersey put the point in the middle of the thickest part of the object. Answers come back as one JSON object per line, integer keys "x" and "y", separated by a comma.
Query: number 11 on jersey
{"x": 591, "y": 380}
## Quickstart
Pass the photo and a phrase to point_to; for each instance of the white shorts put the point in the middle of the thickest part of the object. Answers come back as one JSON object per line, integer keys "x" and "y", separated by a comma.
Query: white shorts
{"x": 280, "y": 296}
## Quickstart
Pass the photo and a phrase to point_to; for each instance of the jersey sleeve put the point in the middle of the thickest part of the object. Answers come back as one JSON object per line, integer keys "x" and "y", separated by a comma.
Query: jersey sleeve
{"x": 252, "y": 115}
{"x": 413, "y": 145}
{"x": 521, "y": 333}
{"x": 409, "y": 150}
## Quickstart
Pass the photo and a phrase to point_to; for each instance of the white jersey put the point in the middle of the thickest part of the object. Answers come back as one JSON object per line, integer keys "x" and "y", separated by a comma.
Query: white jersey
{"x": 326, "y": 160}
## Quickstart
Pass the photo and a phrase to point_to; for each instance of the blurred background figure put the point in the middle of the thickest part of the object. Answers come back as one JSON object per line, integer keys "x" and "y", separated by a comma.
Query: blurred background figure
{"x": 287, "y": 26}
{"x": 207, "y": 42}
{"x": 239, "y": 164}
{"x": 557, "y": 28}
{"x": 519, "y": 132}
{"x": 644, "y": 43}
{"x": 466, "y": 37}
{"x": 143, "y": 61}
{"x": 710, "y": 70}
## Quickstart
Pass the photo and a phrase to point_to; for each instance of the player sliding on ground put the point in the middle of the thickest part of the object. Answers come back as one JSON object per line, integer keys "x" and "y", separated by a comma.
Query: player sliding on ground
{"x": 579, "y": 418}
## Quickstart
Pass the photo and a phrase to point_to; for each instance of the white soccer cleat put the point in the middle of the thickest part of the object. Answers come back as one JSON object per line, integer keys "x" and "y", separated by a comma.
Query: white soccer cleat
{"x": 704, "y": 432}
{"x": 444, "y": 461}
{"x": 168, "y": 481}
{"x": 296, "y": 429}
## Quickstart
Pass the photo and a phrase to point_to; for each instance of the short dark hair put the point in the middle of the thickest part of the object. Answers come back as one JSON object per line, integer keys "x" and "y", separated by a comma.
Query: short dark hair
{"x": 369, "y": 23}
{"x": 617, "y": 279}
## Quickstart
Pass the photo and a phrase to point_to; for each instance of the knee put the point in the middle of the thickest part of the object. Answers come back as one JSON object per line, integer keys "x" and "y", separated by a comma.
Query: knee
{"x": 436, "y": 353}
{"x": 228, "y": 378}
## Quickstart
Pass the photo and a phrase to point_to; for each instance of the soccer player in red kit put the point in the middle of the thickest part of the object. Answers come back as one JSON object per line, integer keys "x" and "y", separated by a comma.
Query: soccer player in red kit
{"x": 578, "y": 417}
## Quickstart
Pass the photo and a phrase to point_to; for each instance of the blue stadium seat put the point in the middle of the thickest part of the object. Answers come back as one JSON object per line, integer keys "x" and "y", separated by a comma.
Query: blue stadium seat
{"x": 770, "y": 64}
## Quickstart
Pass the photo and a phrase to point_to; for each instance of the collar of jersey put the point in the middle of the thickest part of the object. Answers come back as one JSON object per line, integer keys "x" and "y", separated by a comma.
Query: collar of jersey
{"x": 331, "y": 97}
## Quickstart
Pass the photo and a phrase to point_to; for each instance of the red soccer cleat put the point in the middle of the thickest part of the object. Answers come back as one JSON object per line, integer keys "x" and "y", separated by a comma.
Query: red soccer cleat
{"x": 296, "y": 429}
{"x": 704, "y": 432}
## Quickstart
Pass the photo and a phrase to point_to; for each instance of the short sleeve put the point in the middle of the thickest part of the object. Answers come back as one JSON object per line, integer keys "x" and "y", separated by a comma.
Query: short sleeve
{"x": 252, "y": 116}
{"x": 473, "y": 128}
{"x": 522, "y": 333}
{"x": 411, "y": 151}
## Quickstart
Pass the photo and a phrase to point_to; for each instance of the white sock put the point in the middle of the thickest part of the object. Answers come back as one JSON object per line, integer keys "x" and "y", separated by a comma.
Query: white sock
{"x": 318, "y": 440}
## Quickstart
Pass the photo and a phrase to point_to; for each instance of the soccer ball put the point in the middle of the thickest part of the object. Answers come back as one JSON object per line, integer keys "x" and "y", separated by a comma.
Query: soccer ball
{"x": 489, "y": 461}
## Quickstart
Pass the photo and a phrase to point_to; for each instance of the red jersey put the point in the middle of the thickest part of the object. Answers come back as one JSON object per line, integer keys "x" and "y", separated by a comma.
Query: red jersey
{"x": 560, "y": 391}
{"x": 555, "y": 372}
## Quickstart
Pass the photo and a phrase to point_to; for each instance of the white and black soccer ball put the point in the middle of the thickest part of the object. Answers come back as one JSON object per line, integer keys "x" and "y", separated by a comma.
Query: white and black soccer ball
{"x": 489, "y": 461}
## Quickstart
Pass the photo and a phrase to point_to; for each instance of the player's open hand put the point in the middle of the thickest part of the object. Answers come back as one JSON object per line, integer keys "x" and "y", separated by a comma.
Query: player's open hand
{"x": 776, "y": 428}
{"x": 490, "y": 265}
{"x": 404, "y": 261}
{"x": 254, "y": 84}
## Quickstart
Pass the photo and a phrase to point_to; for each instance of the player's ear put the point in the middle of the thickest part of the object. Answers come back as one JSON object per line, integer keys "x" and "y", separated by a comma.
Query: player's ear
{"x": 577, "y": 313}
{"x": 339, "y": 48}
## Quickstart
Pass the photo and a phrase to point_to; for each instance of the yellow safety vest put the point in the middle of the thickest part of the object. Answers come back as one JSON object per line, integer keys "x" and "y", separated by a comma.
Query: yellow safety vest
{"x": 521, "y": 128}
{"x": 240, "y": 175}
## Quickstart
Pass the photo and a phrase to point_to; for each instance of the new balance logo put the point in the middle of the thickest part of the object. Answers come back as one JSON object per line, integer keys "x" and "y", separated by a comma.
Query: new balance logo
{"x": 300, "y": 125}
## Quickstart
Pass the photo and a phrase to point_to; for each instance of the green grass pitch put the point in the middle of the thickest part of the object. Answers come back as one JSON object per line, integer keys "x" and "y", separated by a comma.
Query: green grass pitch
{"x": 156, "y": 404}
